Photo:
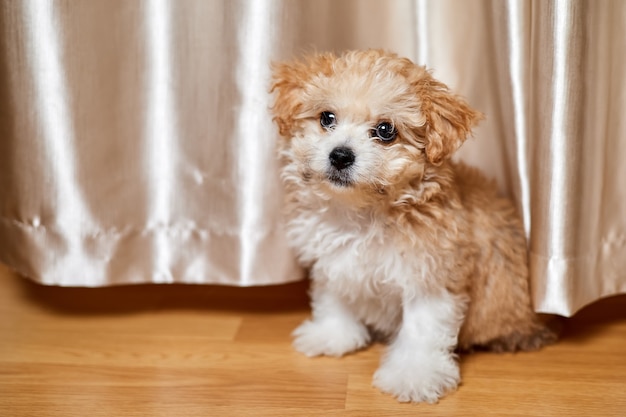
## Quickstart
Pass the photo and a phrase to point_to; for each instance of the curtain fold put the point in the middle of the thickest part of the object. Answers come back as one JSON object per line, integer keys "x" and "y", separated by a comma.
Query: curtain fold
{"x": 136, "y": 145}
{"x": 578, "y": 246}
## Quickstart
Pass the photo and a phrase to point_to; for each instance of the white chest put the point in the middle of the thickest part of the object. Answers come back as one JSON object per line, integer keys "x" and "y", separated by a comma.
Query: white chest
{"x": 346, "y": 241}
{"x": 363, "y": 261}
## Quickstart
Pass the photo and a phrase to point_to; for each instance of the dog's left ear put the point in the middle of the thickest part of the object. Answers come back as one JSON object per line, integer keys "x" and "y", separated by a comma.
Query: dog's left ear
{"x": 449, "y": 119}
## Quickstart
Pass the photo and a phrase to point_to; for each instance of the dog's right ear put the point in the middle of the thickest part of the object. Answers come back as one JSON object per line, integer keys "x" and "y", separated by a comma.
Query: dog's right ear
{"x": 289, "y": 82}
{"x": 287, "y": 85}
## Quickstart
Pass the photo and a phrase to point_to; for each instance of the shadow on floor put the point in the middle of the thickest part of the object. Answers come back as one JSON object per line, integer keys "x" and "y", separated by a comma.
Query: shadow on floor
{"x": 592, "y": 318}
{"x": 137, "y": 298}
{"x": 260, "y": 300}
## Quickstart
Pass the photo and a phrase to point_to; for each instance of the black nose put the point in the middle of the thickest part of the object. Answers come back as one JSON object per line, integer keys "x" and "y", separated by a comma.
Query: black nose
{"x": 341, "y": 157}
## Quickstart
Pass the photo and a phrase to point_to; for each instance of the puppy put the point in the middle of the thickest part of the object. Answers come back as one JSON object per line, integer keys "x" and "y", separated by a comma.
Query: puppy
{"x": 400, "y": 240}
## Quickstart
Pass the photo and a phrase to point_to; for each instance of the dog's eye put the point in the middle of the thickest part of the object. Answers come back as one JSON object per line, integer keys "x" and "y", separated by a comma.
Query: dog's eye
{"x": 385, "y": 132}
{"x": 328, "y": 120}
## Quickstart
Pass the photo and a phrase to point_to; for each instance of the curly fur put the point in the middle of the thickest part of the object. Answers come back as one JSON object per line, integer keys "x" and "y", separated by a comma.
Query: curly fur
{"x": 411, "y": 246}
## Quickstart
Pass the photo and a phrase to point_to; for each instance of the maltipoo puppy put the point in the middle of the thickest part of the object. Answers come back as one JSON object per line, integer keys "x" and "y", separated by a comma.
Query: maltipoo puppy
{"x": 400, "y": 240}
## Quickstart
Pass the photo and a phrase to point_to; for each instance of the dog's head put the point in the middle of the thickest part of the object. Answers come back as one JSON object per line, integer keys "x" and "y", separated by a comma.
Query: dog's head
{"x": 366, "y": 120}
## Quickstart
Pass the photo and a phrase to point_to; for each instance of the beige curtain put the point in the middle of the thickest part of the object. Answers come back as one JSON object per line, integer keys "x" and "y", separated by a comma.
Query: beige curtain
{"x": 136, "y": 145}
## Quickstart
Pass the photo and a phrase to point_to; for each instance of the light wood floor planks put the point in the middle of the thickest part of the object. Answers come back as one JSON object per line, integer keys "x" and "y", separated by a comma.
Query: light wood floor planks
{"x": 218, "y": 351}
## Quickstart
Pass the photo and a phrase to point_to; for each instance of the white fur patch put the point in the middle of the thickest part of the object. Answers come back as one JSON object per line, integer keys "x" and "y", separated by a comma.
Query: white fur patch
{"x": 419, "y": 365}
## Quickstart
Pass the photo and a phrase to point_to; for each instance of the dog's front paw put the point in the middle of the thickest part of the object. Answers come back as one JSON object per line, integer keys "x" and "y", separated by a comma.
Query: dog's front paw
{"x": 331, "y": 337}
{"x": 416, "y": 380}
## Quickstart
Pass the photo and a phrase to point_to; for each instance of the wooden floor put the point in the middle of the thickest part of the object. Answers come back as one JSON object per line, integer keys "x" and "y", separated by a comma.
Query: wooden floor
{"x": 216, "y": 351}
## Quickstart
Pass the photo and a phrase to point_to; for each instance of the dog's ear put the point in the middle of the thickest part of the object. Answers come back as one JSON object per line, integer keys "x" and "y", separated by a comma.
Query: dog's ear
{"x": 287, "y": 85}
{"x": 449, "y": 119}
{"x": 289, "y": 82}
